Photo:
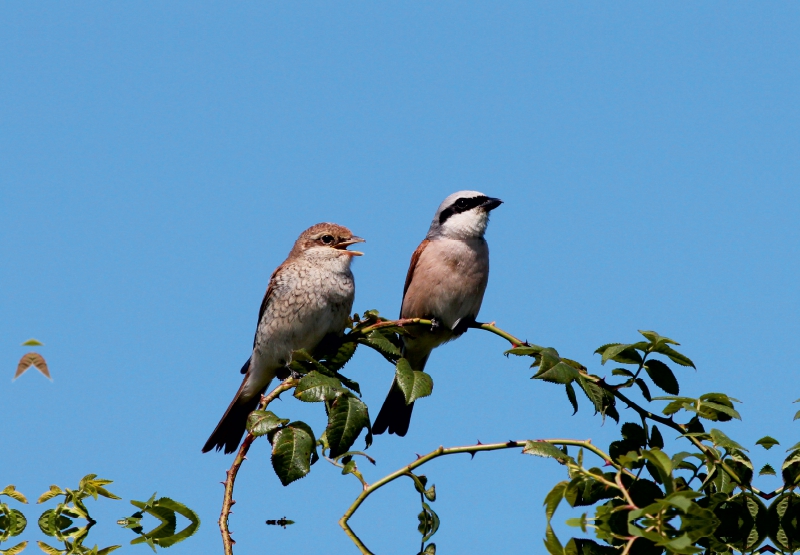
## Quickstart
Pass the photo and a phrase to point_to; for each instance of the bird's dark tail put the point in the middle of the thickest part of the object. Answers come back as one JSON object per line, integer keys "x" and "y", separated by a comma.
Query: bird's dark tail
{"x": 233, "y": 424}
{"x": 395, "y": 414}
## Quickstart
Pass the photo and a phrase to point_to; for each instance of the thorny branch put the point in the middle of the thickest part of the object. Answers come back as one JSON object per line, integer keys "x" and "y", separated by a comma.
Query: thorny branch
{"x": 369, "y": 489}
{"x": 230, "y": 475}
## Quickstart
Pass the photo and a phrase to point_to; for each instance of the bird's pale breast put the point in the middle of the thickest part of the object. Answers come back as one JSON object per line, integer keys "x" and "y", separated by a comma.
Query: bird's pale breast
{"x": 308, "y": 301}
{"x": 449, "y": 281}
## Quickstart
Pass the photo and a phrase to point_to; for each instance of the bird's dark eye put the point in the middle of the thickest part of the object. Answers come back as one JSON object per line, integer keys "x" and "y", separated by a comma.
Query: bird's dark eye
{"x": 327, "y": 239}
{"x": 462, "y": 203}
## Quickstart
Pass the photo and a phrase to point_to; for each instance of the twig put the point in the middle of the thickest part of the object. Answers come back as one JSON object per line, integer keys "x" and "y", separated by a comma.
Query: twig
{"x": 230, "y": 475}
{"x": 644, "y": 413}
{"x": 441, "y": 451}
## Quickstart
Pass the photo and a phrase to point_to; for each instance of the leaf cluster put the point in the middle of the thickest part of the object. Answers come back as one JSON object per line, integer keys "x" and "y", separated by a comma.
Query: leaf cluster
{"x": 58, "y": 522}
{"x": 165, "y": 510}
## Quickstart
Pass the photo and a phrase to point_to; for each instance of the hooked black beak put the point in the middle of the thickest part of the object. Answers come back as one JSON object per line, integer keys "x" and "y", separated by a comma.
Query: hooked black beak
{"x": 491, "y": 204}
{"x": 344, "y": 244}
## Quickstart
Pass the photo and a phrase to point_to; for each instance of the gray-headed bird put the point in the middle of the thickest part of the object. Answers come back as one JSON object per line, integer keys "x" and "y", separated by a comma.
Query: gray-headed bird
{"x": 445, "y": 283}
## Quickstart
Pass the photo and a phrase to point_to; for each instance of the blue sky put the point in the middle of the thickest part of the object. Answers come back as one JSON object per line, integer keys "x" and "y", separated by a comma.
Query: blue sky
{"x": 159, "y": 159}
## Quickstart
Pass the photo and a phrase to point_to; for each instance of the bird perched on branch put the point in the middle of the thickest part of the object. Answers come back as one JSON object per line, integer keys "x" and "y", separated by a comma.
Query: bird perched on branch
{"x": 309, "y": 296}
{"x": 445, "y": 283}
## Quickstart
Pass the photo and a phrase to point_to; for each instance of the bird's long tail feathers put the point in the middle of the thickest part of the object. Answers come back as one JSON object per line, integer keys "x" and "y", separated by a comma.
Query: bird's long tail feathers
{"x": 395, "y": 414}
{"x": 233, "y": 424}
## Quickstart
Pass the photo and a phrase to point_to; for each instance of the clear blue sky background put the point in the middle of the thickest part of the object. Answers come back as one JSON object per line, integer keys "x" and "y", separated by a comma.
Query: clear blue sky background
{"x": 157, "y": 160}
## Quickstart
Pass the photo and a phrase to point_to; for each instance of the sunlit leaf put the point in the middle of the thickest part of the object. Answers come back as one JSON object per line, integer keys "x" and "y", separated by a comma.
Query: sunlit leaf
{"x": 413, "y": 383}
{"x": 12, "y": 492}
{"x": 673, "y": 355}
{"x": 262, "y": 422}
{"x": 15, "y": 550}
{"x": 524, "y": 350}
{"x": 48, "y": 549}
{"x": 315, "y": 387}
{"x": 545, "y": 449}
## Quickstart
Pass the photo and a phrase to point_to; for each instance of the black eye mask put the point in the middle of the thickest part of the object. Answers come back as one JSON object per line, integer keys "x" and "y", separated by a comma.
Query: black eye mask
{"x": 461, "y": 205}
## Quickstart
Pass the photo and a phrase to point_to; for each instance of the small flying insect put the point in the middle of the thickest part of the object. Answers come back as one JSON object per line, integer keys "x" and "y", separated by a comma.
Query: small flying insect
{"x": 280, "y": 522}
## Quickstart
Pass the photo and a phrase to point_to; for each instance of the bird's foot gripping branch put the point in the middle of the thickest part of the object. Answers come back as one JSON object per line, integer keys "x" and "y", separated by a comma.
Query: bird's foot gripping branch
{"x": 645, "y": 500}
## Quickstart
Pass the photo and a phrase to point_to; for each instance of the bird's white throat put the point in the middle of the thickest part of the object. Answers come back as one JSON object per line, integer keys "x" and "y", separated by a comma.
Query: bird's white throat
{"x": 467, "y": 225}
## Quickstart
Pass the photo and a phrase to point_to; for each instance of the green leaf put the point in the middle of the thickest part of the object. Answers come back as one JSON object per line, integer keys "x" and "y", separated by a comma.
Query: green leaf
{"x": 381, "y": 343}
{"x": 303, "y": 363}
{"x": 655, "y": 339}
{"x": 347, "y": 417}
{"x": 16, "y": 550}
{"x": 12, "y": 492}
{"x": 291, "y": 452}
{"x": 545, "y": 449}
{"x": 662, "y": 376}
{"x": 602, "y": 400}
{"x": 335, "y": 351}
{"x": 12, "y": 522}
{"x": 165, "y": 503}
{"x": 315, "y": 387}
{"x": 721, "y": 440}
{"x": 553, "y": 369}
{"x": 262, "y": 422}
{"x": 645, "y": 390}
{"x": 551, "y": 542}
{"x": 33, "y": 343}
{"x": 661, "y": 461}
{"x": 767, "y": 442}
{"x": 655, "y": 438}
{"x": 48, "y": 549}
{"x": 350, "y": 384}
{"x": 49, "y": 494}
{"x": 428, "y": 522}
{"x": 413, "y": 383}
{"x": 673, "y": 355}
{"x": 619, "y": 352}
{"x": 525, "y": 350}
{"x": 622, "y": 372}
{"x": 552, "y": 500}
{"x": 767, "y": 470}
{"x": 572, "y": 398}
{"x": 790, "y": 470}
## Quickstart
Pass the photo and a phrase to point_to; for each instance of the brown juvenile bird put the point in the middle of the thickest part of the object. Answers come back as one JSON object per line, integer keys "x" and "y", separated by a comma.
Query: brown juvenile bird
{"x": 445, "y": 283}
{"x": 309, "y": 296}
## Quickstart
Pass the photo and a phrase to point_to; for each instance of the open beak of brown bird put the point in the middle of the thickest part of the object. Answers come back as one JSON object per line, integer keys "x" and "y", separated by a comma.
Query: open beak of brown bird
{"x": 342, "y": 245}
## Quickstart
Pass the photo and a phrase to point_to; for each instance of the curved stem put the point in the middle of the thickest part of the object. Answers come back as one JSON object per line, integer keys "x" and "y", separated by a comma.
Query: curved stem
{"x": 230, "y": 474}
{"x": 442, "y": 451}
